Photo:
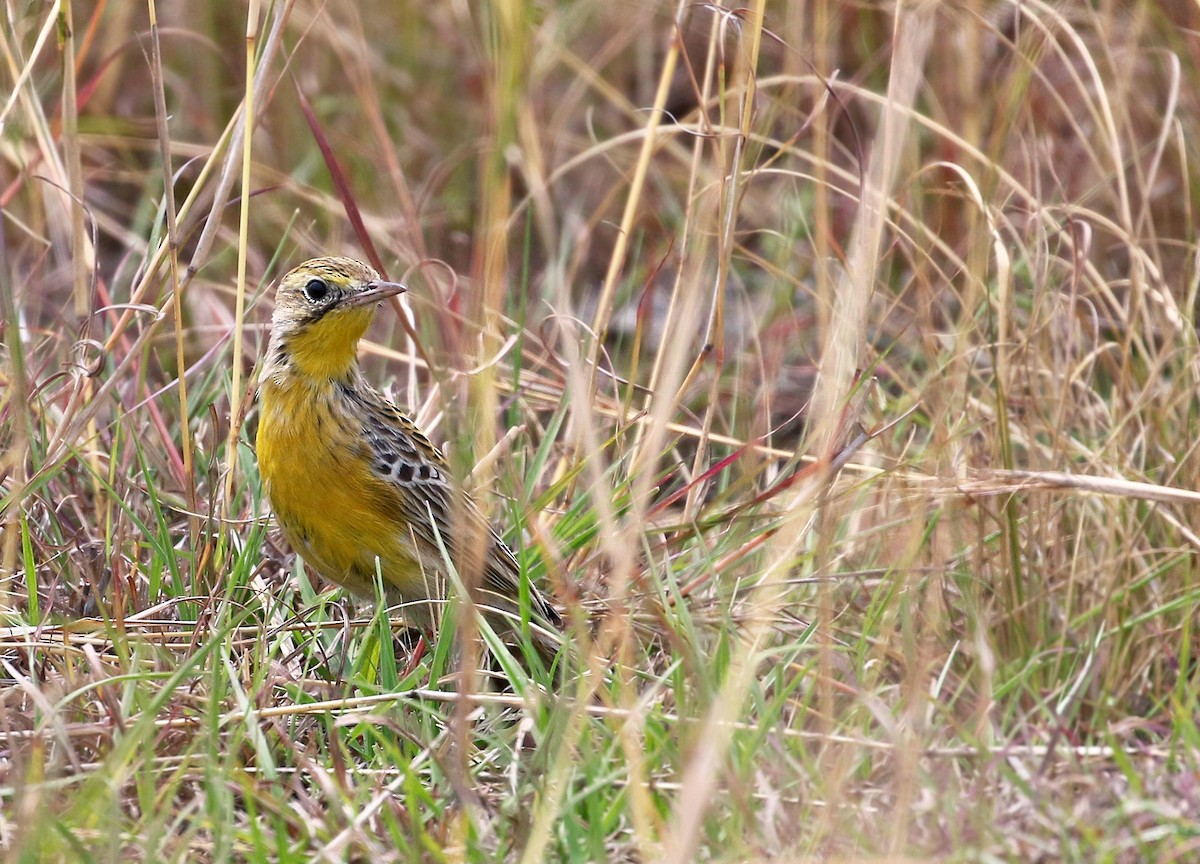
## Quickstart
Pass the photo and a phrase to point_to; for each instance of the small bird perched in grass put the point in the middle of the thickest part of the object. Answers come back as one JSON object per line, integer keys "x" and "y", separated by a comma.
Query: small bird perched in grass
{"x": 356, "y": 486}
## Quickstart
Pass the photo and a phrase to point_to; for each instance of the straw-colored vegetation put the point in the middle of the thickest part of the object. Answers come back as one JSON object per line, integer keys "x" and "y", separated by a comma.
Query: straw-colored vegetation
{"x": 833, "y": 366}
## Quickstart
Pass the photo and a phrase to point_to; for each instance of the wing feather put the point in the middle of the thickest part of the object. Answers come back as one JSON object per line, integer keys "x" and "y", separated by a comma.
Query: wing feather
{"x": 425, "y": 494}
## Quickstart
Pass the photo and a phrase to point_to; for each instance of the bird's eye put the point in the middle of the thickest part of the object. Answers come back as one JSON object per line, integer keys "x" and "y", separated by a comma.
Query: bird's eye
{"x": 316, "y": 290}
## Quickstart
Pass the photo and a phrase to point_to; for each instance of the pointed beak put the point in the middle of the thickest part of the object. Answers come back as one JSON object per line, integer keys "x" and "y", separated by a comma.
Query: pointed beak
{"x": 375, "y": 292}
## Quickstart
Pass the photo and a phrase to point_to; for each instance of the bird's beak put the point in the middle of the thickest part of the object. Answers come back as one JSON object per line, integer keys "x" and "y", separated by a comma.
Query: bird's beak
{"x": 377, "y": 291}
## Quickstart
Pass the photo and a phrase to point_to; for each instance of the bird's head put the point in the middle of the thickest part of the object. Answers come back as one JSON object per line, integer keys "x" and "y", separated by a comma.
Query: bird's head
{"x": 322, "y": 308}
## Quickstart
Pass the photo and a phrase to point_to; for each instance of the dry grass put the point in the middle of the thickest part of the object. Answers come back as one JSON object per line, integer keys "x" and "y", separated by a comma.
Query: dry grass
{"x": 836, "y": 368}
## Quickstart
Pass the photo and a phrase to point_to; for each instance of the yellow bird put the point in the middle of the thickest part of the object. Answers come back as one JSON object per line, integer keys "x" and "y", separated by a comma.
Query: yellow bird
{"x": 356, "y": 487}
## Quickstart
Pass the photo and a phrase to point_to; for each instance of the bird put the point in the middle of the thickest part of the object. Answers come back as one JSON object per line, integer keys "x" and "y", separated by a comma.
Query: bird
{"x": 355, "y": 486}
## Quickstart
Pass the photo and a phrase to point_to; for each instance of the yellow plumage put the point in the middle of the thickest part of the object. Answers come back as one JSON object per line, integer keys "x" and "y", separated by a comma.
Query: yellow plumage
{"x": 353, "y": 482}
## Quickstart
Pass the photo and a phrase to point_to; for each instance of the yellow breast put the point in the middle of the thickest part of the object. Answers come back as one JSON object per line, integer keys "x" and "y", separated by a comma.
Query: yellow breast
{"x": 332, "y": 509}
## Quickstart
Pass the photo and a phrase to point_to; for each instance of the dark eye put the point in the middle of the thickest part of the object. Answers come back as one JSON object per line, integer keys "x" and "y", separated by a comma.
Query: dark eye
{"x": 316, "y": 290}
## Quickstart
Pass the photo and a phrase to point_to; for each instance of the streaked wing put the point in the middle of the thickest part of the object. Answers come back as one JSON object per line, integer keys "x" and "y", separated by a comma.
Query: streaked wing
{"x": 408, "y": 463}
